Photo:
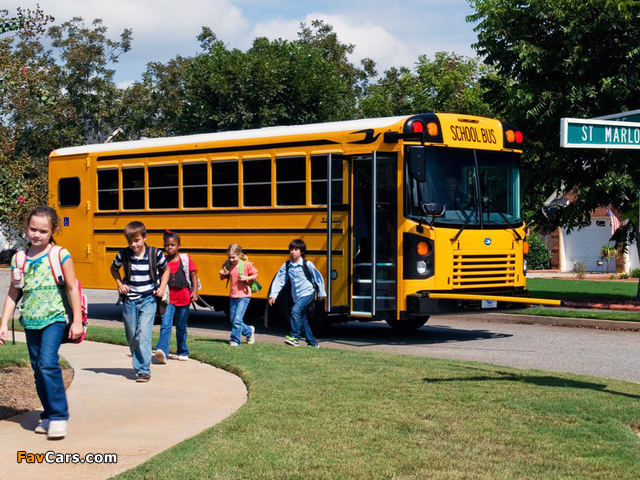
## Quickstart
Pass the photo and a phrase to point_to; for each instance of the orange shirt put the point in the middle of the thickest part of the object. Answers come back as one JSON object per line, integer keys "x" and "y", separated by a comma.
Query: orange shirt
{"x": 239, "y": 289}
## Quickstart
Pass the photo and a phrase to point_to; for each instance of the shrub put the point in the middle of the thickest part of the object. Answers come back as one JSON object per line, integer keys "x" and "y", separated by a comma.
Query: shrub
{"x": 580, "y": 269}
{"x": 5, "y": 256}
{"x": 539, "y": 256}
{"x": 635, "y": 273}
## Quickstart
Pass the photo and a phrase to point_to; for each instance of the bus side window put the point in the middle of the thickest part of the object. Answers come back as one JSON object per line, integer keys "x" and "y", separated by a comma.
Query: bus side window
{"x": 224, "y": 183}
{"x": 108, "y": 189}
{"x": 319, "y": 180}
{"x": 256, "y": 182}
{"x": 291, "y": 182}
{"x": 69, "y": 192}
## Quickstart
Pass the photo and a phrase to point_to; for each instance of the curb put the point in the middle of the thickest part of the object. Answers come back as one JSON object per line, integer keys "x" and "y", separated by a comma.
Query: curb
{"x": 568, "y": 322}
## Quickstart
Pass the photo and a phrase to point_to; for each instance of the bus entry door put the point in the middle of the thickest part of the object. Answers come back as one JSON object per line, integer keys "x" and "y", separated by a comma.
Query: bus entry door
{"x": 374, "y": 207}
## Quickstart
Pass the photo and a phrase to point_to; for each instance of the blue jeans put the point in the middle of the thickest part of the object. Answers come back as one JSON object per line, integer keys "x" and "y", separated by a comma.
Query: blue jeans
{"x": 300, "y": 322}
{"x": 138, "y": 316}
{"x": 181, "y": 314}
{"x": 237, "y": 307}
{"x": 43, "y": 348}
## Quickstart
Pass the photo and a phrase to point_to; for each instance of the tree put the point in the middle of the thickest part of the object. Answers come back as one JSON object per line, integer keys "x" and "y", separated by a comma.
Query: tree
{"x": 154, "y": 106}
{"x": 449, "y": 83}
{"x": 275, "y": 82}
{"x": 565, "y": 58}
{"x": 84, "y": 76}
{"x": 27, "y": 106}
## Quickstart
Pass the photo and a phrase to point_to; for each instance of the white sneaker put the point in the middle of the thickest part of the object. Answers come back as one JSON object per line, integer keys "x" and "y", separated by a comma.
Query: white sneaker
{"x": 251, "y": 339}
{"x": 234, "y": 344}
{"x": 160, "y": 357}
{"x": 183, "y": 358}
{"x": 43, "y": 426}
{"x": 57, "y": 429}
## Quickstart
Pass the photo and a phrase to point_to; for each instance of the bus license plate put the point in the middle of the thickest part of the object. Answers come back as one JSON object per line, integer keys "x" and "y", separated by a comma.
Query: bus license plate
{"x": 489, "y": 304}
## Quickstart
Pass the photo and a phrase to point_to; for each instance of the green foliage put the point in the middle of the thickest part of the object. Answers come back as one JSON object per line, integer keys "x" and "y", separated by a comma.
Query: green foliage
{"x": 580, "y": 269}
{"x": 275, "y": 82}
{"x": 559, "y": 59}
{"x": 539, "y": 256}
{"x": 449, "y": 83}
{"x": 635, "y": 273}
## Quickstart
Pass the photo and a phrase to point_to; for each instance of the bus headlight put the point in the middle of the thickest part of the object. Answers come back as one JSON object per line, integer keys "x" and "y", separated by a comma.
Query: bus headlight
{"x": 421, "y": 267}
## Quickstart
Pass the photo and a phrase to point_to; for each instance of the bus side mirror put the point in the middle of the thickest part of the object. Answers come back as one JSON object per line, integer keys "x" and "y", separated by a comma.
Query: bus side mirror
{"x": 433, "y": 209}
{"x": 418, "y": 164}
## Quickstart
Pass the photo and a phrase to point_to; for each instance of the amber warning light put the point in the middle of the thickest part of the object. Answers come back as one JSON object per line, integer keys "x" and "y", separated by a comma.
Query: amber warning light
{"x": 514, "y": 136}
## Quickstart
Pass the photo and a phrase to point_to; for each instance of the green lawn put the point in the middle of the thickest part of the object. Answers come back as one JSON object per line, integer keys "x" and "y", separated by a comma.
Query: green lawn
{"x": 331, "y": 413}
{"x": 581, "y": 290}
{"x": 564, "y": 289}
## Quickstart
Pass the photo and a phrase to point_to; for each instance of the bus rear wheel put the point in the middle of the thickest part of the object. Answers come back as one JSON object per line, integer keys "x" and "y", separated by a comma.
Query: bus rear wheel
{"x": 407, "y": 325}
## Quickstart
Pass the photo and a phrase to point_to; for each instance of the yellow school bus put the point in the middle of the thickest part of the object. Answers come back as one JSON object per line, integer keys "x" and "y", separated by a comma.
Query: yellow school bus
{"x": 405, "y": 216}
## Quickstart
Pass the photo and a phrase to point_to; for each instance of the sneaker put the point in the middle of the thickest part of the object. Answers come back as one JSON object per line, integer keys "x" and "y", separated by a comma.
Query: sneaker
{"x": 183, "y": 358}
{"x": 293, "y": 341}
{"x": 317, "y": 345}
{"x": 43, "y": 426}
{"x": 251, "y": 339}
{"x": 234, "y": 344}
{"x": 57, "y": 429}
{"x": 160, "y": 357}
{"x": 143, "y": 377}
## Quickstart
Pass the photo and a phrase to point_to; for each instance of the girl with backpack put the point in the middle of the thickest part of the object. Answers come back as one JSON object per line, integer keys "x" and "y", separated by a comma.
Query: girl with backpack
{"x": 43, "y": 315}
{"x": 241, "y": 276}
{"x": 183, "y": 289}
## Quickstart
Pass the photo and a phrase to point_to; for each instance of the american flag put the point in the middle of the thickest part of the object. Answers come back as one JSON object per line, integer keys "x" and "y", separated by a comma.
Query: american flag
{"x": 615, "y": 223}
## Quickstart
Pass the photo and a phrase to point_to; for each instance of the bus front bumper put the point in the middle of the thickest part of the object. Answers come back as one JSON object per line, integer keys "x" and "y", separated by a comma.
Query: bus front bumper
{"x": 429, "y": 303}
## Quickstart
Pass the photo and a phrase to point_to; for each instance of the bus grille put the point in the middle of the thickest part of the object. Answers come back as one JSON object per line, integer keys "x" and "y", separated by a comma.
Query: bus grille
{"x": 483, "y": 270}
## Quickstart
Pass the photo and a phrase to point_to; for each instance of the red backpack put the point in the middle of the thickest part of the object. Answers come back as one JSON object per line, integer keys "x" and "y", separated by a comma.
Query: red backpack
{"x": 55, "y": 260}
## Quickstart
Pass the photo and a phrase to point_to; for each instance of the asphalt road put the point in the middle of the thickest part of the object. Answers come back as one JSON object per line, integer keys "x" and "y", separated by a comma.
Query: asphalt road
{"x": 481, "y": 337}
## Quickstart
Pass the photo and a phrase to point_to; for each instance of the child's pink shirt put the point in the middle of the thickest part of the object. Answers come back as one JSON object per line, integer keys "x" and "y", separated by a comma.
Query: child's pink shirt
{"x": 239, "y": 289}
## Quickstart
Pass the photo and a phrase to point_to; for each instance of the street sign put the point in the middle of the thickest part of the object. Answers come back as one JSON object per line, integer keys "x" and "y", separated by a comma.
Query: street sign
{"x": 583, "y": 133}
{"x": 630, "y": 116}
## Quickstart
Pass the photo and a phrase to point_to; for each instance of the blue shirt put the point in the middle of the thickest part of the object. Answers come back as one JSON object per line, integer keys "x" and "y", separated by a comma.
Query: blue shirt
{"x": 300, "y": 285}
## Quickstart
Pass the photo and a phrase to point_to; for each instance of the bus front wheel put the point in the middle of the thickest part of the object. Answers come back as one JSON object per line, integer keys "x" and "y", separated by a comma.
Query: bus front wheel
{"x": 408, "y": 325}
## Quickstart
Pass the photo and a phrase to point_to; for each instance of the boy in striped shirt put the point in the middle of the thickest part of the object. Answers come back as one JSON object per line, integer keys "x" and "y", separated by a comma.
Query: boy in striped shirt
{"x": 139, "y": 287}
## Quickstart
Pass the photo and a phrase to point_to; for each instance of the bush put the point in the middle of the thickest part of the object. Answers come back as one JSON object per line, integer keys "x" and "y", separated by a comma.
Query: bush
{"x": 539, "y": 256}
{"x": 5, "y": 256}
{"x": 580, "y": 269}
{"x": 635, "y": 273}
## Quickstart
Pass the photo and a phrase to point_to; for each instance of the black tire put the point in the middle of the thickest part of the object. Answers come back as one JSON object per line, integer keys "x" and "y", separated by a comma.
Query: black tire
{"x": 407, "y": 325}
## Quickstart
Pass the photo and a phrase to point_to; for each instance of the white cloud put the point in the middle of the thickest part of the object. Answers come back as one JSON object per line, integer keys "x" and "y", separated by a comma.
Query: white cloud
{"x": 391, "y": 33}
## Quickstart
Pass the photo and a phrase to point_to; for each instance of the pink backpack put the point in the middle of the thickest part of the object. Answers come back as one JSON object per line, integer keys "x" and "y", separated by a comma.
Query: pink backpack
{"x": 55, "y": 260}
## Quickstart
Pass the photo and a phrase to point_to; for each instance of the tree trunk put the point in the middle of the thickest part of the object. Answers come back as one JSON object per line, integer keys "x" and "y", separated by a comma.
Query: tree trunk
{"x": 638, "y": 248}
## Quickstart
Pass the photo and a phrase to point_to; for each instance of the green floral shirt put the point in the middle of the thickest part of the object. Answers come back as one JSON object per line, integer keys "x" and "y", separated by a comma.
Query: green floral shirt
{"x": 41, "y": 303}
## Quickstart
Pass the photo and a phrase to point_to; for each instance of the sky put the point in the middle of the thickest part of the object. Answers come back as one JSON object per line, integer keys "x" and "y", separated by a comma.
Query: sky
{"x": 391, "y": 32}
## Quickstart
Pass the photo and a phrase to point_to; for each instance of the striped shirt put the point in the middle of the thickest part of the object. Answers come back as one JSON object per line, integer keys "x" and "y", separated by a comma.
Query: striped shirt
{"x": 140, "y": 284}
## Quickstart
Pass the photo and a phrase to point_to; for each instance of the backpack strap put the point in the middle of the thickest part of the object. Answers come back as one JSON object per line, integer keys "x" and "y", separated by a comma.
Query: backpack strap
{"x": 55, "y": 260}
{"x": 17, "y": 274}
{"x": 184, "y": 261}
{"x": 125, "y": 253}
{"x": 309, "y": 275}
{"x": 153, "y": 264}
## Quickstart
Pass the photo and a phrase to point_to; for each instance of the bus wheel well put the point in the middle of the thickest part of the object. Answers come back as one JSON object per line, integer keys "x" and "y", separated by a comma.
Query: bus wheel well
{"x": 408, "y": 325}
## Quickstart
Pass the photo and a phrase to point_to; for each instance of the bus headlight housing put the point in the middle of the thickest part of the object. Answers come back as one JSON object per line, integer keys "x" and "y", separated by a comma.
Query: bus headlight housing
{"x": 421, "y": 267}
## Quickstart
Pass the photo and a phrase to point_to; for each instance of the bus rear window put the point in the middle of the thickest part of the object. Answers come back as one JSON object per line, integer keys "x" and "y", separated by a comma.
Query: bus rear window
{"x": 69, "y": 192}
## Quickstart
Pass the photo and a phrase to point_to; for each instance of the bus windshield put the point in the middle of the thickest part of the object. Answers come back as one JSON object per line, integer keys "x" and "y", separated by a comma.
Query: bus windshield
{"x": 479, "y": 188}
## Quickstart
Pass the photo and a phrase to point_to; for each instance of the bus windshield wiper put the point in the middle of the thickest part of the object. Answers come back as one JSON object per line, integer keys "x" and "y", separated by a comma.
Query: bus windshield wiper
{"x": 463, "y": 226}
{"x": 515, "y": 232}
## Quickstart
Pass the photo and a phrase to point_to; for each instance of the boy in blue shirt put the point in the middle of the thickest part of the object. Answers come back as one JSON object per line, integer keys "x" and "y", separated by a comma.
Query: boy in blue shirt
{"x": 306, "y": 281}
{"x": 139, "y": 289}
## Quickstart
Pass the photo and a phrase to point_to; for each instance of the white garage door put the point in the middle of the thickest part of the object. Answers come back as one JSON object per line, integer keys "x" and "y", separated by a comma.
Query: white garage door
{"x": 584, "y": 246}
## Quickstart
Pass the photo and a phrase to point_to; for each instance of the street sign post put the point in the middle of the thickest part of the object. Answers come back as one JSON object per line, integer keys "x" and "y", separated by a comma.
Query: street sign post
{"x": 582, "y": 133}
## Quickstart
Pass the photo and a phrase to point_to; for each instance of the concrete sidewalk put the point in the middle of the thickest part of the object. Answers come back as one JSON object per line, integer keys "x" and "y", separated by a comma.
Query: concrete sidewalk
{"x": 111, "y": 413}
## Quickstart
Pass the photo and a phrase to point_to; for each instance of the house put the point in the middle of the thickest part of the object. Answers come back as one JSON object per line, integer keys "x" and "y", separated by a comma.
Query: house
{"x": 584, "y": 245}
